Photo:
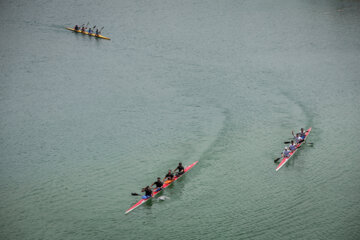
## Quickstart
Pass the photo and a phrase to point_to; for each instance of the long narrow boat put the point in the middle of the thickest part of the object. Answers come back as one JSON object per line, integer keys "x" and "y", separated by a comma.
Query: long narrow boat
{"x": 285, "y": 159}
{"x": 86, "y": 33}
{"x": 166, "y": 184}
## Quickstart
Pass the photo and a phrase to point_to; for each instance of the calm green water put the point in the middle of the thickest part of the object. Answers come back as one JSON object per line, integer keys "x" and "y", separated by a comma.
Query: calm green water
{"x": 85, "y": 122}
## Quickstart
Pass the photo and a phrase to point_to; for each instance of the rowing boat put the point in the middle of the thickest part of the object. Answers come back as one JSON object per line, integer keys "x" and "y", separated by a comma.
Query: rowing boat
{"x": 86, "y": 33}
{"x": 285, "y": 159}
{"x": 166, "y": 184}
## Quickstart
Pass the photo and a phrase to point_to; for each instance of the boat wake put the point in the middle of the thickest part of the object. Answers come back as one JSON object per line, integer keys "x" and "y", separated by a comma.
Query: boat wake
{"x": 163, "y": 198}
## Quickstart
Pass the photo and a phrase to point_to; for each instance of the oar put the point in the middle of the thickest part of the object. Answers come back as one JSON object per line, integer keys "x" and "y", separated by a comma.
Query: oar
{"x": 290, "y": 142}
{"x": 86, "y": 25}
{"x": 136, "y": 194}
{"x": 275, "y": 160}
{"x": 83, "y": 25}
{"x": 93, "y": 30}
{"x": 98, "y": 32}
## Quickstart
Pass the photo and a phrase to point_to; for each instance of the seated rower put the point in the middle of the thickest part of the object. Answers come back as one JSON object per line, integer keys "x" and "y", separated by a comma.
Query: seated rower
{"x": 297, "y": 138}
{"x": 148, "y": 192}
{"x": 97, "y": 32}
{"x": 180, "y": 169}
{"x": 169, "y": 176}
{"x": 158, "y": 184}
{"x": 292, "y": 146}
{"x": 90, "y": 31}
{"x": 76, "y": 28}
{"x": 302, "y": 133}
{"x": 286, "y": 153}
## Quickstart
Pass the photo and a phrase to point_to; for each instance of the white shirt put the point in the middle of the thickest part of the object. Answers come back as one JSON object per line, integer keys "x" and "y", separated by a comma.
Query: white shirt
{"x": 286, "y": 153}
{"x": 298, "y": 139}
{"x": 292, "y": 147}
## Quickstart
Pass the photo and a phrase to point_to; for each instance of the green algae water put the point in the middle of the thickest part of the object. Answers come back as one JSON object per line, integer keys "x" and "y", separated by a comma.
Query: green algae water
{"x": 84, "y": 122}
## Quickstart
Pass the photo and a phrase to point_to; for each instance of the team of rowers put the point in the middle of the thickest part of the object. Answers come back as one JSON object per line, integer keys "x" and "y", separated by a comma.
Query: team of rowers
{"x": 298, "y": 138}
{"x": 89, "y": 31}
{"x": 169, "y": 177}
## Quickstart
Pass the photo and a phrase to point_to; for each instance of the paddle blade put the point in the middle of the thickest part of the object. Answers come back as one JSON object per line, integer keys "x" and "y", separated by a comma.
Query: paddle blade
{"x": 286, "y": 142}
{"x": 135, "y": 194}
{"x": 276, "y": 160}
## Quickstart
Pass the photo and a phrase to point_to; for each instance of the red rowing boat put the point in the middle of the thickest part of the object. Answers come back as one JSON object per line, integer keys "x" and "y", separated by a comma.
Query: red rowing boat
{"x": 285, "y": 159}
{"x": 166, "y": 184}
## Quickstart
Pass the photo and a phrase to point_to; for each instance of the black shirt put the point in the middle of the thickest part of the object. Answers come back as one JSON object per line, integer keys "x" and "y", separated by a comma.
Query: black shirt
{"x": 180, "y": 168}
{"x": 148, "y": 192}
{"x": 169, "y": 175}
{"x": 158, "y": 183}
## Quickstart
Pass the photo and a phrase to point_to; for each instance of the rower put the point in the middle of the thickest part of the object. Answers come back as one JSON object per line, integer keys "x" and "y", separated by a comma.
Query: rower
{"x": 82, "y": 29}
{"x": 90, "y": 31}
{"x": 148, "y": 192}
{"x": 180, "y": 169}
{"x": 169, "y": 176}
{"x": 297, "y": 138}
{"x": 97, "y": 33}
{"x": 76, "y": 28}
{"x": 286, "y": 153}
{"x": 301, "y": 134}
{"x": 292, "y": 146}
{"x": 158, "y": 184}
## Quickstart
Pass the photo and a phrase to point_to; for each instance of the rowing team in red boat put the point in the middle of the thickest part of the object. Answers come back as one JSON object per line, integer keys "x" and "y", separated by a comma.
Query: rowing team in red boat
{"x": 89, "y": 31}
{"x": 298, "y": 138}
{"x": 169, "y": 177}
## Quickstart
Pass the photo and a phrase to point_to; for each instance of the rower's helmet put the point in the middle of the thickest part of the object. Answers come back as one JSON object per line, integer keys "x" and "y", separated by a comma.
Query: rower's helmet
{"x": 285, "y": 148}
{"x": 180, "y": 163}
{"x": 158, "y": 178}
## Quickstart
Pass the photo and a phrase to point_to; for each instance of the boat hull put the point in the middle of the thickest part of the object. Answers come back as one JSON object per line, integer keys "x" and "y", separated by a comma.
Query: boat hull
{"x": 86, "y": 33}
{"x": 286, "y": 159}
{"x": 142, "y": 201}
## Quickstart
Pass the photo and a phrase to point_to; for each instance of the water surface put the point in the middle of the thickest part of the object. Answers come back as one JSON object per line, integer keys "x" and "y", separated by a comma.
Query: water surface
{"x": 84, "y": 122}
